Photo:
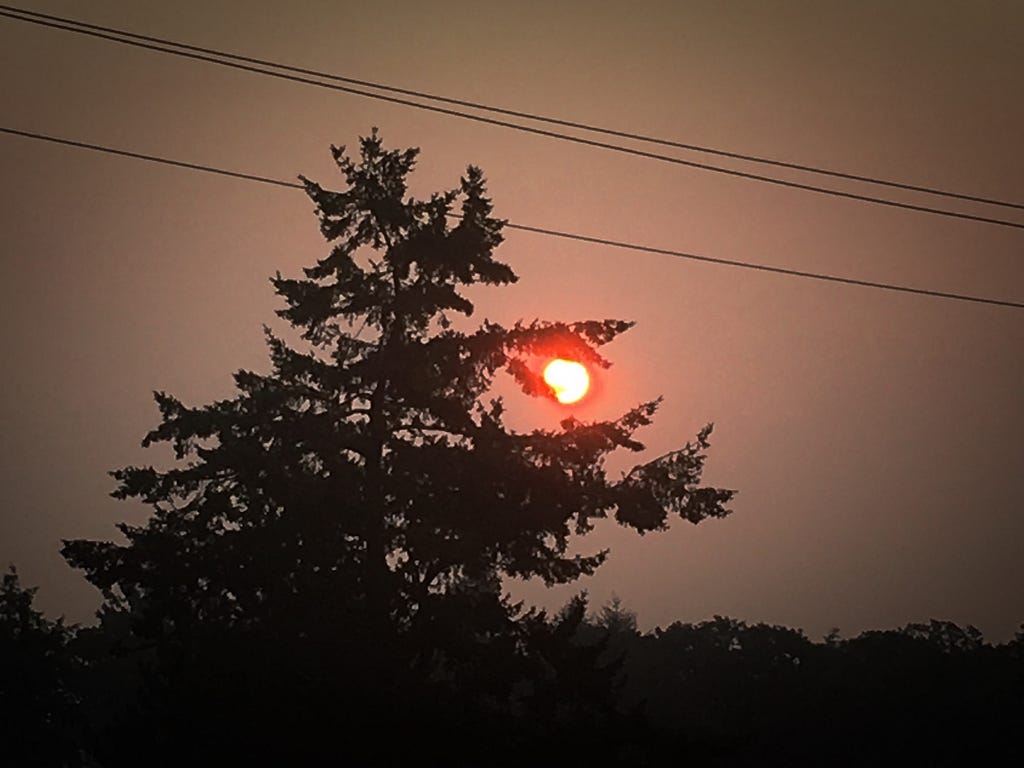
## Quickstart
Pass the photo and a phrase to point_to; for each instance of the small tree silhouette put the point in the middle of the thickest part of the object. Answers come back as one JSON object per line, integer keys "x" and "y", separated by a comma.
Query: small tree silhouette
{"x": 38, "y": 676}
{"x": 345, "y": 521}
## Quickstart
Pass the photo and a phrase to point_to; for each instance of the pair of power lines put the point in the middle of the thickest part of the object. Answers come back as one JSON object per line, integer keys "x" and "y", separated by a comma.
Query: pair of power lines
{"x": 344, "y": 84}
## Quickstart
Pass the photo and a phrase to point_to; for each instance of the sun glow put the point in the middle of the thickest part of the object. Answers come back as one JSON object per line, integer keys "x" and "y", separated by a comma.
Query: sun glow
{"x": 568, "y": 379}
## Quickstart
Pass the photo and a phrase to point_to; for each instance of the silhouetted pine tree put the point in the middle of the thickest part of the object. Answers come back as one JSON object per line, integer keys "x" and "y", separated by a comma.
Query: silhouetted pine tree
{"x": 330, "y": 548}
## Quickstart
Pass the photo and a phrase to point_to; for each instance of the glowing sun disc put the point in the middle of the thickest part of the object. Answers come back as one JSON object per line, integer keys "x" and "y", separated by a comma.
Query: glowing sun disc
{"x": 569, "y": 379}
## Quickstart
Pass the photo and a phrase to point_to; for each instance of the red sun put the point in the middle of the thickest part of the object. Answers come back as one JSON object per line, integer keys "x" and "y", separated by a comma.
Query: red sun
{"x": 568, "y": 379}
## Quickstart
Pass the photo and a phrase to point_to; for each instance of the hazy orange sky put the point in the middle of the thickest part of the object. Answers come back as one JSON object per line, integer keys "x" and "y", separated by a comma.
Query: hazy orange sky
{"x": 875, "y": 438}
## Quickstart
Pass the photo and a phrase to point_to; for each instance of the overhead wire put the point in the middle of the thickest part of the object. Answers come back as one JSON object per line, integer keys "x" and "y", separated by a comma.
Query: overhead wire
{"x": 537, "y": 230}
{"x": 150, "y": 158}
{"x": 528, "y": 115}
{"x": 180, "y": 51}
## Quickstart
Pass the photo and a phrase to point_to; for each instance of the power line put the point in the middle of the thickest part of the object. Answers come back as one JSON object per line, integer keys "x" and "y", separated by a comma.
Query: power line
{"x": 528, "y": 115}
{"x": 511, "y": 126}
{"x": 536, "y": 230}
{"x": 150, "y": 158}
{"x": 766, "y": 268}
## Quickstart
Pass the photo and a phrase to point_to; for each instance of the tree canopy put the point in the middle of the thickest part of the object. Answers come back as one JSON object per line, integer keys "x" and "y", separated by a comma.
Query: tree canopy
{"x": 365, "y": 499}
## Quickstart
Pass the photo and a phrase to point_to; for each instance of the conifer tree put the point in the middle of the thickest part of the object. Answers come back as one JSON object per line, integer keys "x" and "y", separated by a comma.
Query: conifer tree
{"x": 366, "y": 493}
{"x": 38, "y": 675}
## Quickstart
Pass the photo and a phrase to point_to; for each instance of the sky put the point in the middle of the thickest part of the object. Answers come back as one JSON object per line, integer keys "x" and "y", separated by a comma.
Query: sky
{"x": 874, "y": 437}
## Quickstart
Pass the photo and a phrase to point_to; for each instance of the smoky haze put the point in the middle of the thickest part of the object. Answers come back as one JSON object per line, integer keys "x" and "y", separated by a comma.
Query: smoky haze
{"x": 874, "y": 437}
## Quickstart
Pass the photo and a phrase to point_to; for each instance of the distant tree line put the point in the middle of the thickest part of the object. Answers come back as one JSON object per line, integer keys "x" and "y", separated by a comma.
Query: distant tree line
{"x": 724, "y": 692}
{"x": 719, "y": 692}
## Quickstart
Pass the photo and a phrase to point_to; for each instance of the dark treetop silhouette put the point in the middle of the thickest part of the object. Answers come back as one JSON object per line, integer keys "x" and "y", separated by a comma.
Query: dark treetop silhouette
{"x": 332, "y": 540}
{"x": 38, "y": 682}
